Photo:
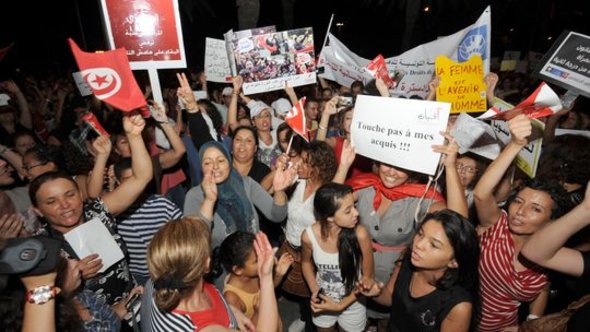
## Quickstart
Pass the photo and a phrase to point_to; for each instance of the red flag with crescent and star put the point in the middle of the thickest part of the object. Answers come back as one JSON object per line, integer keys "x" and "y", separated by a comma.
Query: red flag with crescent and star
{"x": 296, "y": 119}
{"x": 109, "y": 76}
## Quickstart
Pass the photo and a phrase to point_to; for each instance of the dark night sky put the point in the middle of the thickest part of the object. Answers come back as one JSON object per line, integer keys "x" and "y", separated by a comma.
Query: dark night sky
{"x": 40, "y": 28}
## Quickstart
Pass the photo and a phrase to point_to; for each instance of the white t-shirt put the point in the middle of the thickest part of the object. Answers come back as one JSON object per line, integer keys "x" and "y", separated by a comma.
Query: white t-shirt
{"x": 300, "y": 214}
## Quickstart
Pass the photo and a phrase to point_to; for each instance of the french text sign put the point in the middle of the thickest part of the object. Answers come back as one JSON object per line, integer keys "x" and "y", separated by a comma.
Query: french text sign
{"x": 461, "y": 84}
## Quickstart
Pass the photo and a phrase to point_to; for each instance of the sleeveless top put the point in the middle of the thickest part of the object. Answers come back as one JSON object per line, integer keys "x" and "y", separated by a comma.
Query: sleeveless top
{"x": 328, "y": 274}
{"x": 249, "y": 299}
{"x": 425, "y": 313}
{"x": 300, "y": 214}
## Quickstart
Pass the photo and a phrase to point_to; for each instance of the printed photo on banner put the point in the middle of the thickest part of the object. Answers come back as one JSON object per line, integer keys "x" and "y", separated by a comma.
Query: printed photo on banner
{"x": 461, "y": 84}
{"x": 399, "y": 132}
{"x": 150, "y": 31}
{"x": 268, "y": 61}
{"x": 232, "y": 37}
{"x": 216, "y": 62}
{"x": 567, "y": 63}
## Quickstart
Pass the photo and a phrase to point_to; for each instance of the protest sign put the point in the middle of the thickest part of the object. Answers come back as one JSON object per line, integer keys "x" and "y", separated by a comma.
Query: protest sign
{"x": 378, "y": 69}
{"x": 475, "y": 136}
{"x": 413, "y": 69}
{"x": 216, "y": 63}
{"x": 399, "y": 132}
{"x": 149, "y": 30}
{"x": 528, "y": 158}
{"x": 83, "y": 88}
{"x": 267, "y": 62}
{"x": 461, "y": 84}
{"x": 541, "y": 103}
{"x": 567, "y": 63}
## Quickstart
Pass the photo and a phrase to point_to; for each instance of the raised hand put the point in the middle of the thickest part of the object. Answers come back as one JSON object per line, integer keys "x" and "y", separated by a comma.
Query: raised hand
{"x": 102, "y": 146}
{"x": 434, "y": 83}
{"x": 10, "y": 86}
{"x": 491, "y": 79}
{"x": 133, "y": 124}
{"x": 449, "y": 150}
{"x": 158, "y": 112}
{"x": 265, "y": 254}
{"x": 520, "y": 129}
{"x": 185, "y": 93}
{"x": 348, "y": 154}
{"x": 283, "y": 264}
{"x": 209, "y": 186}
{"x": 284, "y": 178}
{"x": 331, "y": 106}
{"x": 237, "y": 82}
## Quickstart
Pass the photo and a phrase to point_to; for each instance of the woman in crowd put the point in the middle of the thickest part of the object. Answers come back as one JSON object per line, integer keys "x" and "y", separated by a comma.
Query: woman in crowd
{"x": 506, "y": 280}
{"x": 547, "y": 248}
{"x": 435, "y": 285}
{"x": 178, "y": 259}
{"x": 227, "y": 199}
{"x": 388, "y": 203}
{"x": 56, "y": 198}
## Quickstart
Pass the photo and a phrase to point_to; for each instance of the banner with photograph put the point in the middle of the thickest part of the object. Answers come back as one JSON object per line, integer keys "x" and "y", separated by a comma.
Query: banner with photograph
{"x": 567, "y": 63}
{"x": 461, "y": 84}
{"x": 267, "y": 62}
{"x": 399, "y": 132}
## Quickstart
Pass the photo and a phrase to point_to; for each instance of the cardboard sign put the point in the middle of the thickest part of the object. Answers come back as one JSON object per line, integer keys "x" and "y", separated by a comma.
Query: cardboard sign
{"x": 149, "y": 30}
{"x": 399, "y": 132}
{"x": 567, "y": 63}
{"x": 216, "y": 62}
{"x": 268, "y": 61}
{"x": 461, "y": 84}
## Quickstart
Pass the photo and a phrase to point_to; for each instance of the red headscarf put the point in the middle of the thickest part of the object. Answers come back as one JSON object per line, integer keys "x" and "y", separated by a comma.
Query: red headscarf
{"x": 402, "y": 191}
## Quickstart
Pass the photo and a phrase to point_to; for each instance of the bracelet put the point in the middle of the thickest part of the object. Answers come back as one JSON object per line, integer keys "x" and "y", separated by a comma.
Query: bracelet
{"x": 531, "y": 317}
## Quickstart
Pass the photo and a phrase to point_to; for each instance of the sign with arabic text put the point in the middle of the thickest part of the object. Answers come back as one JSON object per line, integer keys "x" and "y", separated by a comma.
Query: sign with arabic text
{"x": 149, "y": 30}
{"x": 461, "y": 84}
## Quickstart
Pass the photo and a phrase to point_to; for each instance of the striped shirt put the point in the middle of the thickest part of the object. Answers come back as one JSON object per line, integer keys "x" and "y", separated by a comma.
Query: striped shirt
{"x": 137, "y": 226}
{"x": 502, "y": 287}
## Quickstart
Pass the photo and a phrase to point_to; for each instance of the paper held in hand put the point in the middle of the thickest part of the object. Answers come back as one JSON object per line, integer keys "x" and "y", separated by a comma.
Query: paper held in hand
{"x": 92, "y": 237}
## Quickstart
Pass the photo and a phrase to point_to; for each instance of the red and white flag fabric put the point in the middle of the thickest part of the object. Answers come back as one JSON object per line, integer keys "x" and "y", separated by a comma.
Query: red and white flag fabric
{"x": 296, "y": 119}
{"x": 378, "y": 69}
{"x": 109, "y": 76}
{"x": 541, "y": 103}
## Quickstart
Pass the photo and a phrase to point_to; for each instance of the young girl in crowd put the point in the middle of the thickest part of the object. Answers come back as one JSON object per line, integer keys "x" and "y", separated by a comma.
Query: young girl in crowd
{"x": 242, "y": 285}
{"x": 435, "y": 284}
{"x": 336, "y": 254}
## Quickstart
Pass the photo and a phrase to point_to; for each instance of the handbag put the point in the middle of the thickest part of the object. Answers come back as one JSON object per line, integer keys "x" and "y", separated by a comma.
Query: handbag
{"x": 556, "y": 322}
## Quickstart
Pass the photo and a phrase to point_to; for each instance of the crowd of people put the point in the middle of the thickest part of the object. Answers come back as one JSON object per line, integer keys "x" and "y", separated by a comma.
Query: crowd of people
{"x": 219, "y": 209}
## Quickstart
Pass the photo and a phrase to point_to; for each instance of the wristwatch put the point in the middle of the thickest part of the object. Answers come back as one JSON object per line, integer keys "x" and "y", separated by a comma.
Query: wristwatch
{"x": 41, "y": 294}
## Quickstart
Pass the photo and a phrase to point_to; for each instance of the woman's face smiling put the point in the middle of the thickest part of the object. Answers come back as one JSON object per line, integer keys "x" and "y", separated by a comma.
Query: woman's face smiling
{"x": 60, "y": 202}
{"x": 216, "y": 162}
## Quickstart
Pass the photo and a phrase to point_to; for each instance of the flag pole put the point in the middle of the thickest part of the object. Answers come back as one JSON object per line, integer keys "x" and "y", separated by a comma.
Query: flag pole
{"x": 290, "y": 141}
{"x": 328, "y": 31}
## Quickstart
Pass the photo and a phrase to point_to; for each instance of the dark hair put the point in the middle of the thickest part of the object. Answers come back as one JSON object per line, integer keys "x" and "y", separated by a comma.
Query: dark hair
{"x": 213, "y": 113}
{"x": 122, "y": 165}
{"x": 48, "y": 154}
{"x": 41, "y": 179}
{"x": 357, "y": 84}
{"x": 465, "y": 242}
{"x": 564, "y": 160}
{"x": 247, "y": 128}
{"x": 322, "y": 160}
{"x": 234, "y": 250}
{"x": 549, "y": 186}
{"x": 326, "y": 203}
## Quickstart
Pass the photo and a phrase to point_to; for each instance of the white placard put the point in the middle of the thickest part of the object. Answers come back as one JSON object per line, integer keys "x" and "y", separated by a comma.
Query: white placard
{"x": 93, "y": 237}
{"x": 216, "y": 62}
{"x": 399, "y": 132}
{"x": 81, "y": 84}
{"x": 560, "y": 131}
{"x": 4, "y": 98}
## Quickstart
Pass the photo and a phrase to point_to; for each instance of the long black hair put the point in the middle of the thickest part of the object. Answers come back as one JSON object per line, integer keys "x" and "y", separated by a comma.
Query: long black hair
{"x": 465, "y": 242}
{"x": 326, "y": 202}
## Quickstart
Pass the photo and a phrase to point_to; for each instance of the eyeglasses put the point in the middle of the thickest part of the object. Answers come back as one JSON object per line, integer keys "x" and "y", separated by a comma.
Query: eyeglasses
{"x": 28, "y": 168}
{"x": 466, "y": 169}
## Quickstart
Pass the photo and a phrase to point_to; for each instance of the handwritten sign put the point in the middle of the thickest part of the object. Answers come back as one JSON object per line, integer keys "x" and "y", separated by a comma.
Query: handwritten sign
{"x": 149, "y": 30}
{"x": 268, "y": 61}
{"x": 461, "y": 84}
{"x": 528, "y": 158}
{"x": 216, "y": 62}
{"x": 399, "y": 132}
{"x": 567, "y": 63}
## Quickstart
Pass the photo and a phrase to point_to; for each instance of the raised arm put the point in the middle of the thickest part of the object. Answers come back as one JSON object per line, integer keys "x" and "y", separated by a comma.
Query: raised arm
{"x": 488, "y": 211}
{"x": 170, "y": 157}
{"x": 490, "y": 80}
{"x": 346, "y": 160}
{"x": 546, "y": 246}
{"x": 232, "y": 111}
{"x": 15, "y": 159}
{"x": 382, "y": 87}
{"x": 268, "y": 310}
{"x": 25, "y": 119}
{"x": 94, "y": 182}
{"x": 432, "y": 86}
{"x": 291, "y": 94}
{"x": 119, "y": 199}
{"x": 329, "y": 109}
{"x": 456, "y": 200}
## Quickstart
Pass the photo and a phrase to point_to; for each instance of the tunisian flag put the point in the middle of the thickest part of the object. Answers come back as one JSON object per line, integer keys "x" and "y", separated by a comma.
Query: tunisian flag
{"x": 296, "y": 119}
{"x": 541, "y": 103}
{"x": 109, "y": 76}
